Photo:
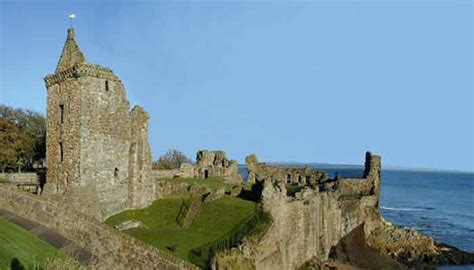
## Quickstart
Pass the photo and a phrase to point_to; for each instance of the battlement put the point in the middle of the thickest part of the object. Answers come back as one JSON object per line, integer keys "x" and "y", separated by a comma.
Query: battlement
{"x": 83, "y": 69}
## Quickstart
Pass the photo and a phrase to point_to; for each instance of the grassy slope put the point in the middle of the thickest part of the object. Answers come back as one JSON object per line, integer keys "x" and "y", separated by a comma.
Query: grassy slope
{"x": 215, "y": 220}
{"x": 30, "y": 251}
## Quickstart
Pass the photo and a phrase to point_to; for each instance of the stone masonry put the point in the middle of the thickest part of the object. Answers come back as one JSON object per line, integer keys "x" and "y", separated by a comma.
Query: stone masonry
{"x": 98, "y": 154}
{"x": 293, "y": 175}
{"x": 212, "y": 164}
{"x": 312, "y": 221}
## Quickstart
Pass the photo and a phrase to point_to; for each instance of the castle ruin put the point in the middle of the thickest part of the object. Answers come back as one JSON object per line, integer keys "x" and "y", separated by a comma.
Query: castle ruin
{"x": 312, "y": 219}
{"x": 97, "y": 148}
{"x": 99, "y": 164}
{"x": 212, "y": 164}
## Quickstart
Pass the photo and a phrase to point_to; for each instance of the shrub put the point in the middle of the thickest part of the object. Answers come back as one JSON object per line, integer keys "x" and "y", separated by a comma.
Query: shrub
{"x": 171, "y": 160}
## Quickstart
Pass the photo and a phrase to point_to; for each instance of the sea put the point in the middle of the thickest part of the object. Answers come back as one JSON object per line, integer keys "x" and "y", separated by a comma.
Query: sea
{"x": 436, "y": 203}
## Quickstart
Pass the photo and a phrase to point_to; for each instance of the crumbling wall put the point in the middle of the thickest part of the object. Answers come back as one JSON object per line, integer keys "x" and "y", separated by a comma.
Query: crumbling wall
{"x": 166, "y": 174}
{"x": 291, "y": 175}
{"x": 141, "y": 186}
{"x": 314, "y": 220}
{"x": 21, "y": 178}
{"x": 212, "y": 164}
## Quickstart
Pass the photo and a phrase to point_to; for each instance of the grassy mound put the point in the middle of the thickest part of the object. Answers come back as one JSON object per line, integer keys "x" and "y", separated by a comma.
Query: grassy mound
{"x": 216, "y": 220}
{"x": 19, "y": 248}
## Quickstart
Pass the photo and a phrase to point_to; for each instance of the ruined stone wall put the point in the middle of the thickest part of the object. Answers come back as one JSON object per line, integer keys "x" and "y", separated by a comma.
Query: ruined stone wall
{"x": 313, "y": 221}
{"x": 290, "y": 175}
{"x": 141, "y": 186}
{"x": 373, "y": 170}
{"x": 114, "y": 250}
{"x": 166, "y": 188}
{"x": 21, "y": 178}
{"x": 167, "y": 174}
{"x": 212, "y": 164}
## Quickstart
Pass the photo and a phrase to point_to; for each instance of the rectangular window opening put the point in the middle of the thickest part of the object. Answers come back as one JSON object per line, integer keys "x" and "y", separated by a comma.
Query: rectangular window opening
{"x": 61, "y": 153}
{"x": 106, "y": 85}
{"x": 61, "y": 113}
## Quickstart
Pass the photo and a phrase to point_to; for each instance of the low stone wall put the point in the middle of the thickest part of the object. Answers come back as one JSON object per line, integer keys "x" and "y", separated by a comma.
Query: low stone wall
{"x": 21, "y": 178}
{"x": 166, "y": 188}
{"x": 165, "y": 174}
{"x": 353, "y": 186}
{"x": 114, "y": 250}
{"x": 189, "y": 211}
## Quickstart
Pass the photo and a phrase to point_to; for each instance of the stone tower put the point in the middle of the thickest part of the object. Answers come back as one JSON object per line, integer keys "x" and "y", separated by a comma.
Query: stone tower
{"x": 97, "y": 148}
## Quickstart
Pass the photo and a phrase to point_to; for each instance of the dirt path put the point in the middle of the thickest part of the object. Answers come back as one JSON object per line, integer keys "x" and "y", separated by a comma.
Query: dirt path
{"x": 53, "y": 238}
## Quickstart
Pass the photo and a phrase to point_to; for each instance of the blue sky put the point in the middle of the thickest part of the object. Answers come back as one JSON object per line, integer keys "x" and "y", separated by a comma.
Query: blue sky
{"x": 289, "y": 81}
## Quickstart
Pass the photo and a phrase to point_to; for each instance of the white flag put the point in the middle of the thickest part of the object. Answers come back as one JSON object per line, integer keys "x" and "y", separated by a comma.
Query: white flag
{"x": 72, "y": 16}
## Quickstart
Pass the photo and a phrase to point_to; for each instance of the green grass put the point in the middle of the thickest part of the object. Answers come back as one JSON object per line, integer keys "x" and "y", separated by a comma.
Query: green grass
{"x": 30, "y": 251}
{"x": 291, "y": 189}
{"x": 216, "y": 220}
{"x": 213, "y": 183}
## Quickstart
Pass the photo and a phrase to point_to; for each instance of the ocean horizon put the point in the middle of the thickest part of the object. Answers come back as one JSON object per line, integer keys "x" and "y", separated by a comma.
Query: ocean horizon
{"x": 325, "y": 166}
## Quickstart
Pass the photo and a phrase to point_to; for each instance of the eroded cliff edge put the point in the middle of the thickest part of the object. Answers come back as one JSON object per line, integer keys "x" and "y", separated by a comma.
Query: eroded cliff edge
{"x": 323, "y": 223}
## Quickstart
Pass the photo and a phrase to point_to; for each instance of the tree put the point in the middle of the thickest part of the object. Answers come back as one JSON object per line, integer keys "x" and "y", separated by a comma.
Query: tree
{"x": 22, "y": 137}
{"x": 172, "y": 159}
{"x": 9, "y": 143}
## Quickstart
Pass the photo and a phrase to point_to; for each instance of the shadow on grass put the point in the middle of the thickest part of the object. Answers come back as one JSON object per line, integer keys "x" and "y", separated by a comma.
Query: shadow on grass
{"x": 16, "y": 265}
{"x": 254, "y": 194}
